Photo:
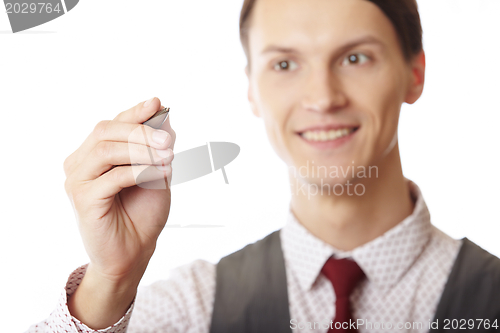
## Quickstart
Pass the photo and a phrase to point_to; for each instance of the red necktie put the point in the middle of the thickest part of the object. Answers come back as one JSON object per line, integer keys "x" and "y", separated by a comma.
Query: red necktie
{"x": 344, "y": 274}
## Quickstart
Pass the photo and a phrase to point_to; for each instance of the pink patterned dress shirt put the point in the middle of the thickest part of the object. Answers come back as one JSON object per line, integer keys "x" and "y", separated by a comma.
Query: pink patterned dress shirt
{"x": 406, "y": 268}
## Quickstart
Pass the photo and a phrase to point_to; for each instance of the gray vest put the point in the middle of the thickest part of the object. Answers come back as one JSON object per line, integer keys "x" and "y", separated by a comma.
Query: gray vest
{"x": 251, "y": 290}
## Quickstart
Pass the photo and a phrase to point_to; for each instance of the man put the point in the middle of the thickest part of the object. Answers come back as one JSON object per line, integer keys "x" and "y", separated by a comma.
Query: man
{"x": 358, "y": 252}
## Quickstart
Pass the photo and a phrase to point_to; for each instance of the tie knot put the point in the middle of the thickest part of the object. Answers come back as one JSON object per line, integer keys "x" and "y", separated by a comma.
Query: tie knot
{"x": 344, "y": 274}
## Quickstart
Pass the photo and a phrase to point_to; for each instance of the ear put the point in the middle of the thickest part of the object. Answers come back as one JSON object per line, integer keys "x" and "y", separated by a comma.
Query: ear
{"x": 416, "y": 84}
{"x": 253, "y": 106}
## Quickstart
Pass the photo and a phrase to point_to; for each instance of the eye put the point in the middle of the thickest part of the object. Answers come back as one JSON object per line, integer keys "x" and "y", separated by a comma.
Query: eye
{"x": 285, "y": 65}
{"x": 355, "y": 59}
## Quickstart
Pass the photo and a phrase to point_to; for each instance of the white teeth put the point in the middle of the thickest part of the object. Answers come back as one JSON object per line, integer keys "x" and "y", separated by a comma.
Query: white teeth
{"x": 327, "y": 135}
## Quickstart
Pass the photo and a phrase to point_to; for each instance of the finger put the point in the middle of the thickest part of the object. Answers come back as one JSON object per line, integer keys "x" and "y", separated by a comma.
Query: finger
{"x": 136, "y": 115}
{"x": 132, "y": 133}
{"x": 108, "y": 154}
{"x": 122, "y": 177}
{"x": 115, "y": 131}
{"x": 140, "y": 113}
{"x": 168, "y": 128}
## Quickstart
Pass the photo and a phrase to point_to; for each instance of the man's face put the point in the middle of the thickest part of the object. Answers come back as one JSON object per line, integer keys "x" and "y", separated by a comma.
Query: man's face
{"x": 328, "y": 77}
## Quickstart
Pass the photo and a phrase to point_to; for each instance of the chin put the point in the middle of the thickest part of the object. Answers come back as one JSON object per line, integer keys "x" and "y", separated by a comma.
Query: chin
{"x": 326, "y": 168}
{"x": 317, "y": 186}
{"x": 333, "y": 171}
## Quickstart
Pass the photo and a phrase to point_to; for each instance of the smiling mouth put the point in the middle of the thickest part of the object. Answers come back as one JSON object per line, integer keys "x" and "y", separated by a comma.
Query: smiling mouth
{"x": 330, "y": 135}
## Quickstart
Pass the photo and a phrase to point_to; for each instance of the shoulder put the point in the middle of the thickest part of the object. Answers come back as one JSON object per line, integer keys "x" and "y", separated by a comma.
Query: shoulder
{"x": 263, "y": 244}
{"x": 194, "y": 273}
{"x": 477, "y": 263}
{"x": 473, "y": 285}
{"x": 468, "y": 256}
{"x": 186, "y": 279}
{"x": 182, "y": 302}
{"x": 250, "y": 263}
{"x": 193, "y": 269}
{"x": 253, "y": 259}
{"x": 468, "y": 263}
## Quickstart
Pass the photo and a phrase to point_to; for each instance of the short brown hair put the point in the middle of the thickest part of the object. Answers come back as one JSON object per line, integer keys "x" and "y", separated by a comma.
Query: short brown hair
{"x": 402, "y": 13}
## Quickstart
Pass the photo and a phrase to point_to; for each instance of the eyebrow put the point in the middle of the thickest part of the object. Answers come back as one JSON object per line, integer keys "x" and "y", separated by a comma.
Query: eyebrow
{"x": 341, "y": 49}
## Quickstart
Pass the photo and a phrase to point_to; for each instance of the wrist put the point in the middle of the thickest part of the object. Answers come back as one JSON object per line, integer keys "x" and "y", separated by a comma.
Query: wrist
{"x": 101, "y": 301}
{"x": 110, "y": 284}
{"x": 117, "y": 276}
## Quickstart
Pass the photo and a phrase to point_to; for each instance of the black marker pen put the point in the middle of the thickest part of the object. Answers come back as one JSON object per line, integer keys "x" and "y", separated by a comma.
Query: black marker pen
{"x": 158, "y": 118}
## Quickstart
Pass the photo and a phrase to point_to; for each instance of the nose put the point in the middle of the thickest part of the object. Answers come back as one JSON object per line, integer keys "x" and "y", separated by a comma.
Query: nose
{"x": 323, "y": 92}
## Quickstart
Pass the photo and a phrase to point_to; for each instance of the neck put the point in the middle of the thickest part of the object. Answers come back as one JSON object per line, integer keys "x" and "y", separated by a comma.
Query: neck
{"x": 346, "y": 222}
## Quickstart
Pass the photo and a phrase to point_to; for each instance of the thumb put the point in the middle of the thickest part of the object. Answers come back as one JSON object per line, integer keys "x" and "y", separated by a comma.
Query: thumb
{"x": 139, "y": 113}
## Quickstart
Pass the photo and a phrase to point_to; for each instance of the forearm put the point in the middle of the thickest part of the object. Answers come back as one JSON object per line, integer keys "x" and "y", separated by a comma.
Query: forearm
{"x": 99, "y": 302}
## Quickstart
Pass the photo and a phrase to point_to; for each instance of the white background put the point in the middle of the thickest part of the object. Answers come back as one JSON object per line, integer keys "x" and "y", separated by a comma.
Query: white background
{"x": 60, "y": 79}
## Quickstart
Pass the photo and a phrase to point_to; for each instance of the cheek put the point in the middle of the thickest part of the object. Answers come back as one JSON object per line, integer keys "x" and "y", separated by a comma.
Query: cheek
{"x": 380, "y": 95}
{"x": 275, "y": 105}
{"x": 275, "y": 92}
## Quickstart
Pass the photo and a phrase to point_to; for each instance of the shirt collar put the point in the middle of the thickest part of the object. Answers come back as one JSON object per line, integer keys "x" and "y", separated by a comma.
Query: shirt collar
{"x": 384, "y": 260}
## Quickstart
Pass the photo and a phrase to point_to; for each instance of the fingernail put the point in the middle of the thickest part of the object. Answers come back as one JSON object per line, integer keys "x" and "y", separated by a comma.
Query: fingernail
{"x": 164, "y": 152}
{"x": 160, "y": 136}
{"x": 146, "y": 103}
